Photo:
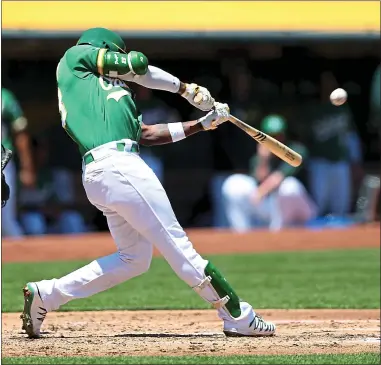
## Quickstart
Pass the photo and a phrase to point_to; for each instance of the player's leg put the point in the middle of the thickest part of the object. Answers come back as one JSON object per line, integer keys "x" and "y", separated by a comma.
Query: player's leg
{"x": 294, "y": 206}
{"x": 341, "y": 188}
{"x": 236, "y": 191}
{"x": 319, "y": 183}
{"x": 145, "y": 205}
{"x": 34, "y": 223}
{"x": 9, "y": 224}
{"x": 132, "y": 259}
{"x": 71, "y": 222}
{"x": 241, "y": 212}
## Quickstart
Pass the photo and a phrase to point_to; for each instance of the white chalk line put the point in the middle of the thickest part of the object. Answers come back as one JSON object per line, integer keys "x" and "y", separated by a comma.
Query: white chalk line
{"x": 371, "y": 339}
{"x": 330, "y": 321}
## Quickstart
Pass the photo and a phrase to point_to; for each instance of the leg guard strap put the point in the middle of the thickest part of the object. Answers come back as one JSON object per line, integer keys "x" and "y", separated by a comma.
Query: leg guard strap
{"x": 216, "y": 290}
{"x": 216, "y": 303}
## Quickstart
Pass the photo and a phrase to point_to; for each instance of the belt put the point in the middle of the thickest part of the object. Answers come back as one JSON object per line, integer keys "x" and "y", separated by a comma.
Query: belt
{"x": 121, "y": 146}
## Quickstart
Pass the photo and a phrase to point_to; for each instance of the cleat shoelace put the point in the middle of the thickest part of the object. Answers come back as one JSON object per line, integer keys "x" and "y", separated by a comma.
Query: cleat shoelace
{"x": 260, "y": 324}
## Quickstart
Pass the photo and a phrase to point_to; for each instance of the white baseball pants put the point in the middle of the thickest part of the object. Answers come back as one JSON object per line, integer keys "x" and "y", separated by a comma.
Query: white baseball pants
{"x": 139, "y": 216}
{"x": 288, "y": 205}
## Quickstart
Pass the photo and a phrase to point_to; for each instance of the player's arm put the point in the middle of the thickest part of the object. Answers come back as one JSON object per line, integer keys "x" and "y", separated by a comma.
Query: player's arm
{"x": 22, "y": 143}
{"x": 158, "y": 134}
{"x": 274, "y": 180}
{"x": 19, "y": 125}
{"x": 133, "y": 67}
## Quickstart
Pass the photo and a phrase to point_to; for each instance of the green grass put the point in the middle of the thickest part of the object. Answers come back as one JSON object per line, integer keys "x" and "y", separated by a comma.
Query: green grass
{"x": 366, "y": 358}
{"x": 323, "y": 279}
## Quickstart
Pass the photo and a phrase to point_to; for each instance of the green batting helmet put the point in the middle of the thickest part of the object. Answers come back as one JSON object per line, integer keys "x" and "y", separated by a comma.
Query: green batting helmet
{"x": 103, "y": 38}
{"x": 273, "y": 124}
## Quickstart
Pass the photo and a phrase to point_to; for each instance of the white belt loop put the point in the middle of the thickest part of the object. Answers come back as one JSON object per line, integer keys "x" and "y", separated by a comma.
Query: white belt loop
{"x": 128, "y": 145}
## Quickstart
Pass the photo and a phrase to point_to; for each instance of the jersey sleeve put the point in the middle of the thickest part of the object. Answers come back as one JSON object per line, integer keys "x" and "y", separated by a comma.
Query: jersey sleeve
{"x": 12, "y": 111}
{"x": 289, "y": 170}
{"x": 83, "y": 60}
{"x": 114, "y": 64}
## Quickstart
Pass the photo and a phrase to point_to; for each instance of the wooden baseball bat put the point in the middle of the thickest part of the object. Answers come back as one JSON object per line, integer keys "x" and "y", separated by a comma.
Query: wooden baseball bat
{"x": 277, "y": 148}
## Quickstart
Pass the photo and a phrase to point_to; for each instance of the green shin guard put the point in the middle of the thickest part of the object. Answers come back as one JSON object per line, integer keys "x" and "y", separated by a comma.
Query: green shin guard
{"x": 219, "y": 285}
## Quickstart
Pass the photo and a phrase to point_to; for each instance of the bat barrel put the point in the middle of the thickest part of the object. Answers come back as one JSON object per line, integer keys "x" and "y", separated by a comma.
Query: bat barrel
{"x": 277, "y": 148}
{"x": 291, "y": 157}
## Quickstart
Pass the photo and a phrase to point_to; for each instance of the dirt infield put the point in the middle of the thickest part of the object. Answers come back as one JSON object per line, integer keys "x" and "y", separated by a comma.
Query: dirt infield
{"x": 206, "y": 241}
{"x": 122, "y": 333}
{"x": 118, "y": 333}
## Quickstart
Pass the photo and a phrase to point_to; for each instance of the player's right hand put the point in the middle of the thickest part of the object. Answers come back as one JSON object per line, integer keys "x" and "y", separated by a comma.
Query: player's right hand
{"x": 218, "y": 115}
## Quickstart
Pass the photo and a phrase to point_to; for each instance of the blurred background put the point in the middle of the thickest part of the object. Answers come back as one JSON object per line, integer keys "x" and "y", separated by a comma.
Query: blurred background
{"x": 274, "y": 63}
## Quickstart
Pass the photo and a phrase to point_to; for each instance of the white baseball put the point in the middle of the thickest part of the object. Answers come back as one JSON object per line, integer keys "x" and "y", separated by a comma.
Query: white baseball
{"x": 338, "y": 97}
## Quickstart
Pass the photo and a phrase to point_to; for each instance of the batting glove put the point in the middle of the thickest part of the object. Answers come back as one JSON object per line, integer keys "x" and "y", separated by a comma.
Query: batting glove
{"x": 191, "y": 90}
{"x": 217, "y": 116}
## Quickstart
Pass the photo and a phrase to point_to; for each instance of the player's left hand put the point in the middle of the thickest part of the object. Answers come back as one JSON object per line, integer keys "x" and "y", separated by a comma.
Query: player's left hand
{"x": 217, "y": 116}
{"x": 191, "y": 90}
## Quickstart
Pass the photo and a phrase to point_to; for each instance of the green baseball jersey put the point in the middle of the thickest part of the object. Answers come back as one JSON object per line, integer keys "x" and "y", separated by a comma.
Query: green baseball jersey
{"x": 12, "y": 116}
{"x": 94, "y": 109}
{"x": 326, "y": 127}
{"x": 276, "y": 164}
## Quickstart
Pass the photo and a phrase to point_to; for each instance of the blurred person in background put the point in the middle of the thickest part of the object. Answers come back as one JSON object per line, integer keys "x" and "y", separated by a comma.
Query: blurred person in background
{"x": 42, "y": 209}
{"x": 6, "y": 156}
{"x": 375, "y": 101}
{"x": 370, "y": 206}
{"x": 239, "y": 77}
{"x": 64, "y": 166}
{"x": 154, "y": 111}
{"x": 271, "y": 195}
{"x": 335, "y": 150}
{"x": 244, "y": 105}
{"x": 15, "y": 137}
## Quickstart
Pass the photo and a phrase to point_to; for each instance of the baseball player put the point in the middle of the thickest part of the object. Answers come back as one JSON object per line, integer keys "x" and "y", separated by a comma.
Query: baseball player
{"x": 14, "y": 136}
{"x": 99, "y": 113}
{"x": 6, "y": 156}
{"x": 335, "y": 150}
{"x": 272, "y": 194}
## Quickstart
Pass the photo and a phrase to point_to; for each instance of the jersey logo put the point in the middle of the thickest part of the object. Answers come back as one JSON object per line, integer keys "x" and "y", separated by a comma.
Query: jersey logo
{"x": 108, "y": 84}
{"x": 116, "y": 95}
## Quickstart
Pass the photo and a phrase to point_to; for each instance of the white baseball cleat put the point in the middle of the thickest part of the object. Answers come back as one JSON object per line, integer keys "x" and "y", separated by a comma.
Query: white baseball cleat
{"x": 258, "y": 327}
{"x": 34, "y": 312}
